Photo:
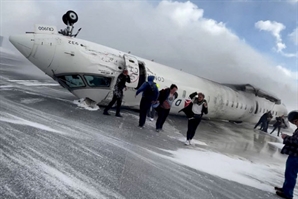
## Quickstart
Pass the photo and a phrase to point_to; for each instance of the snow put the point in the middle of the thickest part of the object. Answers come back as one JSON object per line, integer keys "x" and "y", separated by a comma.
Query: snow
{"x": 33, "y": 83}
{"x": 82, "y": 103}
{"x": 6, "y": 86}
{"x": 31, "y": 101}
{"x": 68, "y": 182}
{"x": 6, "y": 117}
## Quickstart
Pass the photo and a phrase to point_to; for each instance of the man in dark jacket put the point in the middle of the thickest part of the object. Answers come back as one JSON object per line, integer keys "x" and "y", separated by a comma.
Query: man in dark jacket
{"x": 118, "y": 92}
{"x": 194, "y": 111}
{"x": 277, "y": 125}
{"x": 265, "y": 125}
{"x": 166, "y": 98}
{"x": 291, "y": 149}
{"x": 263, "y": 121}
{"x": 150, "y": 95}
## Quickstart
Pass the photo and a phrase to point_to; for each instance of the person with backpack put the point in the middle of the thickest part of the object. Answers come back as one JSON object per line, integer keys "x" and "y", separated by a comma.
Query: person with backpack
{"x": 149, "y": 97}
{"x": 166, "y": 98}
{"x": 151, "y": 111}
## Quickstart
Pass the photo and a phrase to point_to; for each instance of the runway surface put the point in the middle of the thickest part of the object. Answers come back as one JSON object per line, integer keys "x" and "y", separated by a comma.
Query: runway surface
{"x": 52, "y": 148}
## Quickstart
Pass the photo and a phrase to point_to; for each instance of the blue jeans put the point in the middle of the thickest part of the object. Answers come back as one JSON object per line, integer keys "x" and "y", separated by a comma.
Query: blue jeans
{"x": 290, "y": 176}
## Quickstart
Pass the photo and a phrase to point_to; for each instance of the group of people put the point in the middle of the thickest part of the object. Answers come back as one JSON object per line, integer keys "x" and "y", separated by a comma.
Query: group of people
{"x": 160, "y": 101}
{"x": 266, "y": 118}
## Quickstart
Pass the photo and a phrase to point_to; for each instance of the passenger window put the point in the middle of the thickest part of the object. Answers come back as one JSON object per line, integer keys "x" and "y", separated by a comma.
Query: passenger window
{"x": 245, "y": 107}
{"x": 72, "y": 81}
{"x": 232, "y": 104}
{"x": 241, "y": 106}
{"x": 227, "y": 104}
{"x": 97, "y": 81}
{"x": 184, "y": 94}
{"x": 237, "y": 105}
{"x": 251, "y": 109}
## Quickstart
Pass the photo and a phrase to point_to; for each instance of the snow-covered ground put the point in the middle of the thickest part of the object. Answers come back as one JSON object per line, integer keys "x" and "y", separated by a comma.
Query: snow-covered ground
{"x": 53, "y": 146}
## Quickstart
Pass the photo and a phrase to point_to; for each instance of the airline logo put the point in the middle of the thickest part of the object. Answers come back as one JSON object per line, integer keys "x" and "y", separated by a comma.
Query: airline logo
{"x": 187, "y": 102}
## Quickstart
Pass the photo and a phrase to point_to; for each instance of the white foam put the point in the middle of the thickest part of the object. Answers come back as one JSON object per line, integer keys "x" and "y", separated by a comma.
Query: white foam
{"x": 277, "y": 145}
{"x": 239, "y": 170}
{"x": 82, "y": 103}
{"x": 193, "y": 141}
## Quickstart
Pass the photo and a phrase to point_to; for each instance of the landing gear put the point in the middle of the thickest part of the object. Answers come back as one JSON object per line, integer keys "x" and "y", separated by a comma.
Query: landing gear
{"x": 69, "y": 19}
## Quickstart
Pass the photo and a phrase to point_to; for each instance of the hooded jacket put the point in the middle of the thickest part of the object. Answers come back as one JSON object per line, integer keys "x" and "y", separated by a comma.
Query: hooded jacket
{"x": 149, "y": 89}
{"x": 188, "y": 110}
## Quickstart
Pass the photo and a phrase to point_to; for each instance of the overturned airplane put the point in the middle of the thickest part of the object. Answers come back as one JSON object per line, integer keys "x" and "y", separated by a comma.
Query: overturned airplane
{"x": 89, "y": 71}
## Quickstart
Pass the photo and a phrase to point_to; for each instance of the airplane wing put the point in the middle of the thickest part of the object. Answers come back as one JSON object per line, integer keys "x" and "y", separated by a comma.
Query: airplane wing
{"x": 257, "y": 91}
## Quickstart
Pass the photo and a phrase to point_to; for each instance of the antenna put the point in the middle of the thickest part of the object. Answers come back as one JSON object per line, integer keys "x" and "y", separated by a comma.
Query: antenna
{"x": 69, "y": 19}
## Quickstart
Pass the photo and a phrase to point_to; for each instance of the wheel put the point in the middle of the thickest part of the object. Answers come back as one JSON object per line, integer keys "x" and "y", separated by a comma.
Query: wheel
{"x": 70, "y": 17}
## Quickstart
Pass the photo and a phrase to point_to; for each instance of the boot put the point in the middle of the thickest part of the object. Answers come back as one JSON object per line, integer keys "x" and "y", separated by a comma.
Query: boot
{"x": 278, "y": 189}
{"x": 282, "y": 195}
{"x": 105, "y": 112}
{"x": 118, "y": 115}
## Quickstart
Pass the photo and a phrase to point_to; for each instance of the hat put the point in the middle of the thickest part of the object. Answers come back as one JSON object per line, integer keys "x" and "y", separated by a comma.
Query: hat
{"x": 293, "y": 115}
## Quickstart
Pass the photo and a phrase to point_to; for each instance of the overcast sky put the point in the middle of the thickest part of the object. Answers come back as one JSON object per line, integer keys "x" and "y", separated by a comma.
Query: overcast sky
{"x": 249, "y": 41}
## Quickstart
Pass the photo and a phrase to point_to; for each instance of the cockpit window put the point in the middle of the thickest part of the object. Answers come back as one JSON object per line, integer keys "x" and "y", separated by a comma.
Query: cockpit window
{"x": 98, "y": 81}
{"x": 73, "y": 81}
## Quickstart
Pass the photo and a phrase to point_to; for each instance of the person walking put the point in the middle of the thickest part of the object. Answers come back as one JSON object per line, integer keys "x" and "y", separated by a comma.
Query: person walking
{"x": 149, "y": 97}
{"x": 166, "y": 98}
{"x": 277, "y": 125}
{"x": 194, "y": 111}
{"x": 264, "y": 126}
{"x": 262, "y": 121}
{"x": 151, "y": 111}
{"x": 118, "y": 93}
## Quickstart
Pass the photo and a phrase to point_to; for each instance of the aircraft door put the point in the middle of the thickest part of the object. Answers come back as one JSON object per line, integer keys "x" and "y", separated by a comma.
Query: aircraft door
{"x": 132, "y": 65}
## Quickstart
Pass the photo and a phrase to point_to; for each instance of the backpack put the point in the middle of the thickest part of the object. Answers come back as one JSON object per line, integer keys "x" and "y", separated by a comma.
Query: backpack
{"x": 150, "y": 90}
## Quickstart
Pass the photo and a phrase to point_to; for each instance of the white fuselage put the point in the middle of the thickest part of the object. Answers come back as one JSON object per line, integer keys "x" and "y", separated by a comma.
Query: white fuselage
{"x": 77, "y": 63}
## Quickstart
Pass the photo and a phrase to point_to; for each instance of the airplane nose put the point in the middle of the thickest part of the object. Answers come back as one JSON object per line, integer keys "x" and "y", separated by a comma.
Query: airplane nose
{"x": 24, "y": 43}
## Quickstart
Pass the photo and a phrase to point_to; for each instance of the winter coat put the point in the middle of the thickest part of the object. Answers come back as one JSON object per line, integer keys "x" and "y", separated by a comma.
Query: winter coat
{"x": 149, "y": 89}
{"x": 291, "y": 144}
{"x": 163, "y": 95}
{"x": 121, "y": 80}
{"x": 279, "y": 121}
{"x": 120, "y": 85}
{"x": 188, "y": 110}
